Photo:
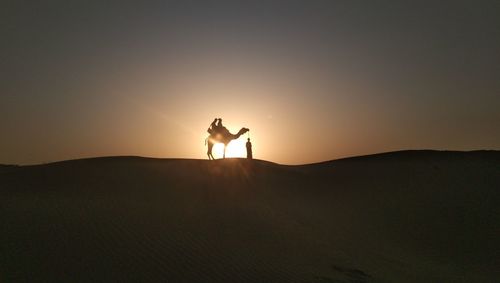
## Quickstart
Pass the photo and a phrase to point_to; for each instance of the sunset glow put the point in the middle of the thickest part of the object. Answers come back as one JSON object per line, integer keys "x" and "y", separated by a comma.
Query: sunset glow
{"x": 235, "y": 148}
{"x": 313, "y": 82}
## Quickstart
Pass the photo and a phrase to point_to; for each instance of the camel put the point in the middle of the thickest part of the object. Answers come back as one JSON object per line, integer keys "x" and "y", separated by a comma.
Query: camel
{"x": 224, "y": 137}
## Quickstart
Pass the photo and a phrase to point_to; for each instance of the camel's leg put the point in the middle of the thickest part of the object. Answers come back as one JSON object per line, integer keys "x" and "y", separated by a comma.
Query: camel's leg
{"x": 224, "y": 155}
{"x": 209, "y": 151}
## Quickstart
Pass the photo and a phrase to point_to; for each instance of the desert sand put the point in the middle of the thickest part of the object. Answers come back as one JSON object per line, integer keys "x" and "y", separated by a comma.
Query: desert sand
{"x": 407, "y": 216}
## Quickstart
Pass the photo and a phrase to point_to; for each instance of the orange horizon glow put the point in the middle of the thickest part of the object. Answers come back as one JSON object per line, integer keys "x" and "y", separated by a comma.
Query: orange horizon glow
{"x": 312, "y": 80}
{"x": 286, "y": 124}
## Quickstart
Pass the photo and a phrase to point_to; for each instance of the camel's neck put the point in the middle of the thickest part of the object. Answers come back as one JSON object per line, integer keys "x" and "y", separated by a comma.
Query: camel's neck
{"x": 240, "y": 132}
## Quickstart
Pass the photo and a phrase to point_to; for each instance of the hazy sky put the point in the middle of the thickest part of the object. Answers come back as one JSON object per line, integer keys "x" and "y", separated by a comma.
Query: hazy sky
{"x": 313, "y": 80}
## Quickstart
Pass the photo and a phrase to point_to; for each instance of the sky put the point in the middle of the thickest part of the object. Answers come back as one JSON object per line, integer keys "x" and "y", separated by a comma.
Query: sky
{"x": 313, "y": 80}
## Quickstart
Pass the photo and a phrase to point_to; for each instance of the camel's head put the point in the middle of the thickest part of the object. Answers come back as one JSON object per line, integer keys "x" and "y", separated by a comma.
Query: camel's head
{"x": 241, "y": 132}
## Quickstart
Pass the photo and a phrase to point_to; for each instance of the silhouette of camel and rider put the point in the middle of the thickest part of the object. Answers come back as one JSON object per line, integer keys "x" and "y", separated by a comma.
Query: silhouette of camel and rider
{"x": 220, "y": 134}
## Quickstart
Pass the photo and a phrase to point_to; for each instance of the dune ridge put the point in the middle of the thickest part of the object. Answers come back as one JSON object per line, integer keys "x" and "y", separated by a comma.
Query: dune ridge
{"x": 407, "y": 216}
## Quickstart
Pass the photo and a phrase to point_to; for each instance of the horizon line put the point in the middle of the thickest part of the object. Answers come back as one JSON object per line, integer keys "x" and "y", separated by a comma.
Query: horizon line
{"x": 256, "y": 159}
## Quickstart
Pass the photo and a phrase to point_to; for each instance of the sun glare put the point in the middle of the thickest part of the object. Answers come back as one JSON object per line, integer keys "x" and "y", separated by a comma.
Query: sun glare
{"x": 235, "y": 148}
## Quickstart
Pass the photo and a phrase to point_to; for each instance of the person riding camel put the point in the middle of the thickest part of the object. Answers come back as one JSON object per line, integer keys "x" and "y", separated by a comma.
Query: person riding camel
{"x": 220, "y": 134}
{"x": 217, "y": 128}
{"x": 213, "y": 127}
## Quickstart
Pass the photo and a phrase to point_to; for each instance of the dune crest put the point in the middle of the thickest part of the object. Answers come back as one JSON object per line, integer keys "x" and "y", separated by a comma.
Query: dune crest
{"x": 409, "y": 216}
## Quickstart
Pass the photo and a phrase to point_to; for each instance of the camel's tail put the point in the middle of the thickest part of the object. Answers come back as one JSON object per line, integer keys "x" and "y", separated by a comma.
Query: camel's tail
{"x": 206, "y": 141}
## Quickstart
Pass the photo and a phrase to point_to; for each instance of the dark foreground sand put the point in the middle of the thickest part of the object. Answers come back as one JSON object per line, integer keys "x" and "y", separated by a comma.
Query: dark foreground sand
{"x": 410, "y": 216}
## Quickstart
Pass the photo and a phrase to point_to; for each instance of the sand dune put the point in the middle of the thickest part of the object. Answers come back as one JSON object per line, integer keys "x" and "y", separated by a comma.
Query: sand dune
{"x": 409, "y": 216}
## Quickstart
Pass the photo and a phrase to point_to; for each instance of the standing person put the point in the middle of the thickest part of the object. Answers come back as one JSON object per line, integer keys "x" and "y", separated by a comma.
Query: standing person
{"x": 249, "y": 149}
